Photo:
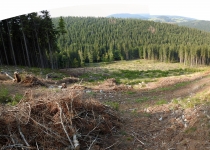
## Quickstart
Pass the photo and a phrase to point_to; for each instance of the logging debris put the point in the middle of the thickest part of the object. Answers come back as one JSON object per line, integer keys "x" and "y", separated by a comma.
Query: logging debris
{"x": 57, "y": 122}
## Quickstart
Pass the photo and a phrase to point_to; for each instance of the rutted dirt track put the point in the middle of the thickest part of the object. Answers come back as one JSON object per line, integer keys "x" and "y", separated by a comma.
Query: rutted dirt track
{"x": 167, "y": 127}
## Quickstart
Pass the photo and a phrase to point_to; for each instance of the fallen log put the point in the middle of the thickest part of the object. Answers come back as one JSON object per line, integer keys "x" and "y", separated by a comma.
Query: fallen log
{"x": 9, "y": 76}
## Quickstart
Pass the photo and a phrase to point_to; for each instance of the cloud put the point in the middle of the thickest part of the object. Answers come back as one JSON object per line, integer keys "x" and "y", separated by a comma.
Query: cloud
{"x": 99, "y": 10}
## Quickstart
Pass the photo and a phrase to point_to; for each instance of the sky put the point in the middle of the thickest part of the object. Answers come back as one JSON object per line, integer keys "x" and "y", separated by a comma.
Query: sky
{"x": 198, "y": 9}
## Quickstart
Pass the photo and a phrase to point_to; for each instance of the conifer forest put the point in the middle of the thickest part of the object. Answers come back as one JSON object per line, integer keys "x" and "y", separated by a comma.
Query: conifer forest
{"x": 37, "y": 40}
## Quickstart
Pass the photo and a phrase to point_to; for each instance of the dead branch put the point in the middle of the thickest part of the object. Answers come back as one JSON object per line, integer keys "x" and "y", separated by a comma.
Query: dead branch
{"x": 37, "y": 147}
{"x": 10, "y": 76}
{"x": 10, "y": 134}
{"x": 92, "y": 143}
{"x": 17, "y": 146}
{"x": 92, "y": 129}
{"x": 22, "y": 136}
{"x": 64, "y": 126}
{"x": 47, "y": 129}
{"x": 137, "y": 138}
{"x": 111, "y": 145}
{"x": 76, "y": 142}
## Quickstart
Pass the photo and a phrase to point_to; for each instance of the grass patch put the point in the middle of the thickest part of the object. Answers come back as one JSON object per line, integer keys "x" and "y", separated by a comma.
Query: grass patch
{"x": 4, "y": 95}
{"x": 147, "y": 114}
{"x": 141, "y": 100}
{"x": 190, "y": 130}
{"x": 114, "y": 105}
{"x": 6, "y": 98}
{"x": 173, "y": 87}
{"x": 91, "y": 93}
{"x": 127, "y": 73}
{"x": 161, "y": 102}
{"x": 130, "y": 92}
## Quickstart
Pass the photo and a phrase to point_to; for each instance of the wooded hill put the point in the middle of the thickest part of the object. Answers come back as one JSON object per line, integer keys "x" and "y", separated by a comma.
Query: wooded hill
{"x": 156, "y": 18}
{"x": 107, "y": 39}
{"x": 197, "y": 24}
{"x": 33, "y": 40}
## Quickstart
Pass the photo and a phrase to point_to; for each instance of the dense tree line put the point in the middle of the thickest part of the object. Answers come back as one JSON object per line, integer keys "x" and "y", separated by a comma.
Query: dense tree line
{"x": 90, "y": 39}
{"x": 28, "y": 40}
{"x": 197, "y": 24}
{"x": 37, "y": 40}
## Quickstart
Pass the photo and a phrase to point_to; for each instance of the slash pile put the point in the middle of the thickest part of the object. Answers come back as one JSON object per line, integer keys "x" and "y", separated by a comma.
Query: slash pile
{"x": 56, "y": 122}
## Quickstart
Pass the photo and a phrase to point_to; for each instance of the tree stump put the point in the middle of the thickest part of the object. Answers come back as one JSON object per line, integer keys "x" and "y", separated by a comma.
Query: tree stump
{"x": 17, "y": 77}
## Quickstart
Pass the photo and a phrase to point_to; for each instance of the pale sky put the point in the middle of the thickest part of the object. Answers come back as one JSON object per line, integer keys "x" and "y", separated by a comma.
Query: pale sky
{"x": 199, "y": 9}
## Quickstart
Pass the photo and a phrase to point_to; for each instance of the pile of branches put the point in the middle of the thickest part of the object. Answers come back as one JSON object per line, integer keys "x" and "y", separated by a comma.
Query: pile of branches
{"x": 57, "y": 123}
{"x": 32, "y": 81}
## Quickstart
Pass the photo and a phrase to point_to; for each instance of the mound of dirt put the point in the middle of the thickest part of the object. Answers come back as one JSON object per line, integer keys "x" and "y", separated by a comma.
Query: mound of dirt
{"x": 57, "y": 123}
{"x": 111, "y": 84}
{"x": 3, "y": 77}
{"x": 67, "y": 80}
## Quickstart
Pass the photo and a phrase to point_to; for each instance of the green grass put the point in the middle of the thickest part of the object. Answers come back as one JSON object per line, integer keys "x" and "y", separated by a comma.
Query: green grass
{"x": 130, "y": 92}
{"x": 161, "y": 102}
{"x": 190, "y": 130}
{"x": 114, "y": 105}
{"x": 93, "y": 94}
{"x": 135, "y": 72}
{"x": 6, "y": 98}
{"x": 175, "y": 86}
{"x": 147, "y": 114}
{"x": 141, "y": 100}
{"x": 192, "y": 101}
{"x": 4, "y": 95}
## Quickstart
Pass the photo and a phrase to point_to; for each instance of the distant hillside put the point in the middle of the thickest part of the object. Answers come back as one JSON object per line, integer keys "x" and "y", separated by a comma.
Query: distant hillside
{"x": 126, "y": 15}
{"x": 198, "y": 24}
{"x": 156, "y": 18}
{"x": 90, "y": 39}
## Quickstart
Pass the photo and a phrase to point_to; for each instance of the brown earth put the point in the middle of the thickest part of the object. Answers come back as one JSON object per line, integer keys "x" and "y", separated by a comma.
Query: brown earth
{"x": 147, "y": 125}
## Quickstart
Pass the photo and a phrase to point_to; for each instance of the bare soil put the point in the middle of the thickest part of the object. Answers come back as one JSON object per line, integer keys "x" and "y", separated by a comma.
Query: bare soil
{"x": 146, "y": 125}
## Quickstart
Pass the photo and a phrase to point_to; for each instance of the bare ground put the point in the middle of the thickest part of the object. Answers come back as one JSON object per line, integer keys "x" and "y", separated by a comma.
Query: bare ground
{"x": 146, "y": 125}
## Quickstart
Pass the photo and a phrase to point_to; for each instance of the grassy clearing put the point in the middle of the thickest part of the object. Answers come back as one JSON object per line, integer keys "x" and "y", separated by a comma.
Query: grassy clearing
{"x": 138, "y": 71}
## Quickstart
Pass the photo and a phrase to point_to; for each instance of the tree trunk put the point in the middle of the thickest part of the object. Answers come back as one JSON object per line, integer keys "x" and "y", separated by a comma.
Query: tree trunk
{"x": 27, "y": 54}
{"x": 4, "y": 48}
{"x": 40, "y": 54}
{"x": 23, "y": 53}
{"x": 51, "y": 60}
{"x": 13, "y": 53}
